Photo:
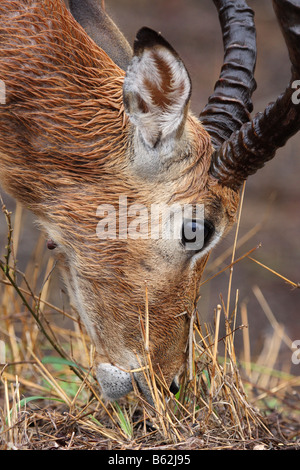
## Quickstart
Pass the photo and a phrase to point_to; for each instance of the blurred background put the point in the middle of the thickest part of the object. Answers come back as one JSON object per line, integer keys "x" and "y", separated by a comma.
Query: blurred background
{"x": 272, "y": 197}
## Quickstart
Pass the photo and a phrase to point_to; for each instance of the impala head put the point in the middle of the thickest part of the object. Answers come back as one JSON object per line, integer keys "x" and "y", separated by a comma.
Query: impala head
{"x": 94, "y": 152}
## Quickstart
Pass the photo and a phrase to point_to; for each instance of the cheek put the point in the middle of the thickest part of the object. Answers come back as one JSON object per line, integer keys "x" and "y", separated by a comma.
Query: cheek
{"x": 174, "y": 354}
{"x": 198, "y": 268}
{"x": 173, "y": 283}
{"x": 191, "y": 288}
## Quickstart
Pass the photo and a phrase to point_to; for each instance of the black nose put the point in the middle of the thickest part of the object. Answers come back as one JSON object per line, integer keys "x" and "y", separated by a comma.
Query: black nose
{"x": 174, "y": 387}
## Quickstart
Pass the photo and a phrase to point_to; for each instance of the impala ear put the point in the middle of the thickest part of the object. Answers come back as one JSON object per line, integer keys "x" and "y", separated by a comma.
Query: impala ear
{"x": 99, "y": 26}
{"x": 157, "y": 89}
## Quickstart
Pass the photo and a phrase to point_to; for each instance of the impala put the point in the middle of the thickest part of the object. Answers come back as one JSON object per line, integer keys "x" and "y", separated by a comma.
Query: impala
{"x": 87, "y": 123}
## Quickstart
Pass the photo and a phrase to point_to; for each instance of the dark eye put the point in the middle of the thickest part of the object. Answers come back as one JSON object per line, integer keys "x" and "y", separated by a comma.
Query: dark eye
{"x": 195, "y": 235}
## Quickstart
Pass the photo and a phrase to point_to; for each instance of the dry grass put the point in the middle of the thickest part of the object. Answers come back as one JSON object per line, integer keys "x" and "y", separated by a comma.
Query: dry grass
{"x": 49, "y": 397}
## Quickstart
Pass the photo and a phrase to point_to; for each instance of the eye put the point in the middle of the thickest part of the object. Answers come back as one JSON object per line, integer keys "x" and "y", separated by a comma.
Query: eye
{"x": 196, "y": 235}
{"x": 51, "y": 245}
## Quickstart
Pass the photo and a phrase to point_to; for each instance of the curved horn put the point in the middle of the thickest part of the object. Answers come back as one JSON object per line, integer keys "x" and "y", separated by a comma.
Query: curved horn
{"x": 230, "y": 105}
{"x": 256, "y": 142}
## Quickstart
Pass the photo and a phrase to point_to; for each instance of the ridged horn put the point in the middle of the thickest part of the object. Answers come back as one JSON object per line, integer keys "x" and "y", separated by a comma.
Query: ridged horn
{"x": 230, "y": 105}
{"x": 248, "y": 149}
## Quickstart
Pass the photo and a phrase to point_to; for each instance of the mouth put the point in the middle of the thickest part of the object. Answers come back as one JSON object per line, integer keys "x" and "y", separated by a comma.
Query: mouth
{"x": 116, "y": 383}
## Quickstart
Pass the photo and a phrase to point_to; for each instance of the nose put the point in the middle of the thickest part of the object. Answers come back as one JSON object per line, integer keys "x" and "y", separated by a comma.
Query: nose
{"x": 115, "y": 383}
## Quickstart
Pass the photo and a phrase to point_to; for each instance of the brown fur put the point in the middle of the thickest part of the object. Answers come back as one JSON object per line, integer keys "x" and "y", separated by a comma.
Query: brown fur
{"x": 65, "y": 148}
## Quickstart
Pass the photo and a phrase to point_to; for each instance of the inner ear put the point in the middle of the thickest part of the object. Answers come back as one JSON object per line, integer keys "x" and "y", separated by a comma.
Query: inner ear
{"x": 157, "y": 88}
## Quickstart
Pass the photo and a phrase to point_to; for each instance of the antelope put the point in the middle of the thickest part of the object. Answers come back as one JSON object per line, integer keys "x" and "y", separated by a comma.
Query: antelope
{"x": 87, "y": 120}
